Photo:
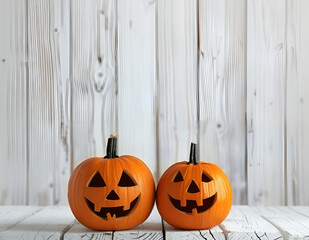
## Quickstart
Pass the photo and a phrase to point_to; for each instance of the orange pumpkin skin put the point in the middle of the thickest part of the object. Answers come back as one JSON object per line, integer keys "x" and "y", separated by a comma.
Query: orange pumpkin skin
{"x": 87, "y": 202}
{"x": 204, "y": 206}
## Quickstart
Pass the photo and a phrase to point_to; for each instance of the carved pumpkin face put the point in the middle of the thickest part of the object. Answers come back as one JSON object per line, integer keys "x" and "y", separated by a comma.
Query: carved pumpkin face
{"x": 194, "y": 195}
{"x": 111, "y": 193}
{"x": 113, "y": 201}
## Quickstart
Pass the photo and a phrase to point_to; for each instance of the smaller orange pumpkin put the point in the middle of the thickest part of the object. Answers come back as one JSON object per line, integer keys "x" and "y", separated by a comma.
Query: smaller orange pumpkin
{"x": 111, "y": 193}
{"x": 194, "y": 195}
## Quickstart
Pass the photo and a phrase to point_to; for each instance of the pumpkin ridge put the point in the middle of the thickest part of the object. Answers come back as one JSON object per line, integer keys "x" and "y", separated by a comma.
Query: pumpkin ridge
{"x": 197, "y": 202}
{"x": 122, "y": 212}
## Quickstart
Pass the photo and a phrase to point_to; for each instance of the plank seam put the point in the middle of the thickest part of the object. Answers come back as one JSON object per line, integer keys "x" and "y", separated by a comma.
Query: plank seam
{"x": 246, "y": 99}
{"x": 285, "y": 108}
{"x": 71, "y": 89}
{"x": 25, "y": 217}
{"x": 116, "y": 68}
{"x": 225, "y": 232}
{"x": 202, "y": 235}
{"x": 156, "y": 93}
{"x": 27, "y": 101}
{"x": 198, "y": 76}
{"x": 210, "y": 234}
{"x": 66, "y": 229}
{"x": 299, "y": 212}
{"x": 163, "y": 229}
{"x": 258, "y": 235}
{"x": 282, "y": 232}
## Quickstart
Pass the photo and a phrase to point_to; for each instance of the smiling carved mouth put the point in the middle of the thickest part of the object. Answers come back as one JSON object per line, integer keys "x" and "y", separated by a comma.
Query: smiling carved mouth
{"x": 117, "y": 211}
{"x": 191, "y": 204}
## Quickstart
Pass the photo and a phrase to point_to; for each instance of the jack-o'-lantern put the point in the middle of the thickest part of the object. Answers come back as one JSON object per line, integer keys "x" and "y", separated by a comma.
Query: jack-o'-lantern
{"x": 194, "y": 195}
{"x": 111, "y": 193}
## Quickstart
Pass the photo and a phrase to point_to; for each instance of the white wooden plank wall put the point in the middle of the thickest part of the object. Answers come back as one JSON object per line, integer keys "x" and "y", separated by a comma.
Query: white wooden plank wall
{"x": 222, "y": 104}
{"x": 48, "y": 154}
{"x": 266, "y": 101}
{"x": 177, "y": 80}
{"x": 137, "y": 80}
{"x": 13, "y": 104}
{"x": 93, "y": 74}
{"x": 231, "y": 75}
{"x": 297, "y": 132}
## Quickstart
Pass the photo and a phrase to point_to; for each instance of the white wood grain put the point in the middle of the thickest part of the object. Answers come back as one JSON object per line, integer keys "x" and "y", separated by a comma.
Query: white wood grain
{"x": 62, "y": 44}
{"x": 137, "y": 80}
{"x": 150, "y": 229}
{"x": 49, "y": 158}
{"x": 73, "y": 72}
{"x": 304, "y": 210}
{"x": 175, "y": 234}
{"x": 12, "y": 215}
{"x": 297, "y": 102}
{"x": 266, "y": 102}
{"x": 222, "y": 104}
{"x": 50, "y": 223}
{"x": 291, "y": 224}
{"x": 13, "y": 102}
{"x": 244, "y": 223}
{"x": 93, "y": 74}
{"x": 79, "y": 232}
{"x": 177, "y": 80}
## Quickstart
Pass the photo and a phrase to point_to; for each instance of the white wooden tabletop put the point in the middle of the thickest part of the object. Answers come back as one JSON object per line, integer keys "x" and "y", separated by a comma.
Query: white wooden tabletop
{"x": 243, "y": 222}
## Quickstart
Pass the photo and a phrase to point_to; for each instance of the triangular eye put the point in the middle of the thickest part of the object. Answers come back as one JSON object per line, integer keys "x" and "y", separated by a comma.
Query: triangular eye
{"x": 178, "y": 177}
{"x": 97, "y": 181}
{"x": 125, "y": 180}
{"x": 206, "y": 178}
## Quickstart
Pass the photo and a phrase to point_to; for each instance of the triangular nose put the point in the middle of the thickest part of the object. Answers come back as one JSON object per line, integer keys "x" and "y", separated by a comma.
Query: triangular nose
{"x": 112, "y": 196}
{"x": 193, "y": 188}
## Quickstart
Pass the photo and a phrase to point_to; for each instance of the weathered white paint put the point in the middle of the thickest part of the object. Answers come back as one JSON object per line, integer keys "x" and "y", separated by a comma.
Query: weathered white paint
{"x": 222, "y": 104}
{"x": 177, "y": 80}
{"x": 136, "y": 80}
{"x": 291, "y": 224}
{"x": 297, "y": 128}
{"x": 79, "y": 232}
{"x": 49, "y": 223}
{"x": 93, "y": 77}
{"x": 13, "y": 102}
{"x": 48, "y": 147}
{"x": 266, "y": 101}
{"x": 12, "y": 215}
{"x": 150, "y": 229}
{"x": 301, "y": 209}
{"x": 175, "y": 234}
{"x": 73, "y": 72}
{"x": 36, "y": 161}
{"x": 62, "y": 43}
{"x": 244, "y": 223}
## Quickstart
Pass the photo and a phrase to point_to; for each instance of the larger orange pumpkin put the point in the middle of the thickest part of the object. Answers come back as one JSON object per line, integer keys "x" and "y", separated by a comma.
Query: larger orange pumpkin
{"x": 194, "y": 195}
{"x": 111, "y": 193}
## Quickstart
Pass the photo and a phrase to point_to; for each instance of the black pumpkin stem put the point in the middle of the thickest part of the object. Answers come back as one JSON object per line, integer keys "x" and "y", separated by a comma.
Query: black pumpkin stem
{"x": 111, "y": 149}
{"x": 193, "y": 154}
